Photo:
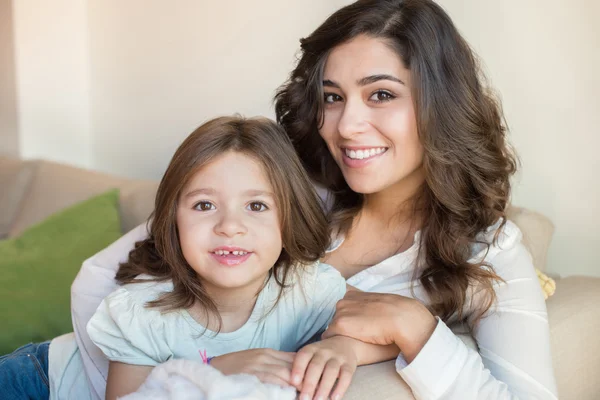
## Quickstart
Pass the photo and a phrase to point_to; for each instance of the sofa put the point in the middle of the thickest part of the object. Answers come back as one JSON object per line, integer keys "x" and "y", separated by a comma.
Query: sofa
{"x": 34, "y": 189}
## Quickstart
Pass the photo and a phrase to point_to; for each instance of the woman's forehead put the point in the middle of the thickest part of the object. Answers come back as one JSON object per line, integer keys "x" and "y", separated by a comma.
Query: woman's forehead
{"x": 364, "y": 56}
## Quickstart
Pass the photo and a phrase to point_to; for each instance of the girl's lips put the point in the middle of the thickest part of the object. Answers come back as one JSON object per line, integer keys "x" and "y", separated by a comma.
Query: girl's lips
{"x": 230, "y": 259}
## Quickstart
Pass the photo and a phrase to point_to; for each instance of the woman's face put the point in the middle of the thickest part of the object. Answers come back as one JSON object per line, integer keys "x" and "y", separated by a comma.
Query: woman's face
{"x": 369, "y": 118}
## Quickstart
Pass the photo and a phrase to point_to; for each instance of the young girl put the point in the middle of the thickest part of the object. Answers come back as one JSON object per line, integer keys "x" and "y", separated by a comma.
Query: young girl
{"x": 230, "y": 264}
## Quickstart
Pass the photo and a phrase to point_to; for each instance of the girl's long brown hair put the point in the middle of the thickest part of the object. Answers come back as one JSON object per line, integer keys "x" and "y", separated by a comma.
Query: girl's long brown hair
{"x": 467, "y": 159}
{"x": 304, "y": 227}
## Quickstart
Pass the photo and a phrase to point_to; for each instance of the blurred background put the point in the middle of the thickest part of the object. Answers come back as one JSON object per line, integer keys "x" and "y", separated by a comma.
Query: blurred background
{"x": 115, "y": 86}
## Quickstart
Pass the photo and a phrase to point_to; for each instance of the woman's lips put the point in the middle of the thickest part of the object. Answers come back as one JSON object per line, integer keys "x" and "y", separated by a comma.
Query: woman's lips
{"x": 358, "y": 163}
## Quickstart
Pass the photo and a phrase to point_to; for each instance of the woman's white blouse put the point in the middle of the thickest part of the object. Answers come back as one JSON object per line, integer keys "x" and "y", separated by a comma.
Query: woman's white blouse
{"x": 513, "y": 338}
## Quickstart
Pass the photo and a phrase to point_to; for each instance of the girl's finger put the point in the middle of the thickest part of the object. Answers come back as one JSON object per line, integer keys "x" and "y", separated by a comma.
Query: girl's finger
{"x": 330, "y": 374}
{"x": 266, "y": 377}
{"x": 343, "y": 382}
{"x": 312, "y": 377}
{"x": 282, "y": 371}
{"x": 282, "y": 355}
{"x": 301, "y": 361}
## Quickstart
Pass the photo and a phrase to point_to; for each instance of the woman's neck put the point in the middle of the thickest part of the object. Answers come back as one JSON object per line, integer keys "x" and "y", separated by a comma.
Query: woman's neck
{"x": 396, "y": 203}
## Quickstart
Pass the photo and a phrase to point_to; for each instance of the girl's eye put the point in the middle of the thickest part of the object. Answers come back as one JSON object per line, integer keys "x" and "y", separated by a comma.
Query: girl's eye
{"x": 257, "y": 206}
{"x": 331, "y": 98}
{"x": 204, "y": 206}
{"x": 381, "y": 95}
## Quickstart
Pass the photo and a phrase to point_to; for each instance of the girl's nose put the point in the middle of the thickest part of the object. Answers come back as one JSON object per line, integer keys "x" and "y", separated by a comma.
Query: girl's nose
{"x": 230, "y": 224}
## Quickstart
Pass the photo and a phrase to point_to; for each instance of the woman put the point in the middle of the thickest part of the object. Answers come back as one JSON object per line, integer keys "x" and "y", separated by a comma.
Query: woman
{"x": 387, "y": 110}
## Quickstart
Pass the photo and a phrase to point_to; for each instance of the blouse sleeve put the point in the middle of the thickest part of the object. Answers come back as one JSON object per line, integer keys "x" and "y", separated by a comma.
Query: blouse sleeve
{"x": 94, "y": 282}
{"x": 513, "y": 337}
{"x": 126, "y": 331}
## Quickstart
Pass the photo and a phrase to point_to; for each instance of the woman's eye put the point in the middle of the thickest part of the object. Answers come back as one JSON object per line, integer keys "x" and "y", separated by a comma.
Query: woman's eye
{"x": 331, "y": 98}
{"x": 381, "y": 95}
{"x": 204, "y": 206}
{"x": 257, "y": 206}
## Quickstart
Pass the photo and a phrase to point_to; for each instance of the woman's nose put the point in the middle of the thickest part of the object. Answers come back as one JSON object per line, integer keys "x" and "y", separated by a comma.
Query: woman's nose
{"x": 354, "y": 119}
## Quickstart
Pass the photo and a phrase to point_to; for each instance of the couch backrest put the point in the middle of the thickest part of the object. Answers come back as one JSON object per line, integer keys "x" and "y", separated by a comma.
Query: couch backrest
{"x": 33, "y": 190}
{"x": 53, "y": 187}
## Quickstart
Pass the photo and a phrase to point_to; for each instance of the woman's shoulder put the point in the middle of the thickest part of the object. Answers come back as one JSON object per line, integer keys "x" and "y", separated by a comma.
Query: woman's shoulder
{"x": 501, "y": 246}
{"x": 502, "y": 235}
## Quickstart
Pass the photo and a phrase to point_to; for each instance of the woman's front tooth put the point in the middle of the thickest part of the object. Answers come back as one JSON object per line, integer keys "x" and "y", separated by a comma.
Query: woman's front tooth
{"x": 352, "y": 154}
{"x": 360, "y": 154}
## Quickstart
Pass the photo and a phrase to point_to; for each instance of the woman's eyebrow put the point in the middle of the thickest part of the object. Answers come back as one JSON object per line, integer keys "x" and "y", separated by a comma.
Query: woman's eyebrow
{"x": 367, "y": 80}
{"x": 379, "y": 77}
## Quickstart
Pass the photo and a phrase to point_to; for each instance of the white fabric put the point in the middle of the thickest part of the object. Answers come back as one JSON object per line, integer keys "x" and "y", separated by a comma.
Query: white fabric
{"x": 514, "y": 360}
{"x": 191, "y": 380}
{"x": 63, "y": 355}
{"x": 129, "y": 332}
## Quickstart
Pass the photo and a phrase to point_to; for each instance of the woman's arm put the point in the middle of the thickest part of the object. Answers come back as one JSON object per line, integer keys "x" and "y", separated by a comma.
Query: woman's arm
{"x": 513, "y": 362}
{"x": 93, "y": 283}
{"x": 125, "y": 378}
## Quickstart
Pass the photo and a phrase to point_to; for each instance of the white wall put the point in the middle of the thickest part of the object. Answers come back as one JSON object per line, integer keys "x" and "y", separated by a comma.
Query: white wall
{"x": 52, "y": 61}
{"x": 159, "y": 69}
{"x": 117, "y": 85}
{"x": 9, "y": 137}
{"x": 544, "y": 57}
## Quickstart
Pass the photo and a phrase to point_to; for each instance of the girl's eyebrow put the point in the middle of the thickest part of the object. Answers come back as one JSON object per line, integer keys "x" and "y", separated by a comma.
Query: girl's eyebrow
{"x": 196, "y": 192}
{"x": 367, "y": 80}
{"x": 263, "y": 193}
{"x": 210, "y": 191}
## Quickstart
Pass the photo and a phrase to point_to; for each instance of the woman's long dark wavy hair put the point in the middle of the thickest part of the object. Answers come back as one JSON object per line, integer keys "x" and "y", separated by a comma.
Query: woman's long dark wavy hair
{"x": 467, "y": 160}
{"x": 304, "y": 227}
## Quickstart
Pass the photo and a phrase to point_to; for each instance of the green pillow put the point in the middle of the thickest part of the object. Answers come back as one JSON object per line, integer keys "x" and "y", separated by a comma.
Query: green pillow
{"x": 37, "y": 269}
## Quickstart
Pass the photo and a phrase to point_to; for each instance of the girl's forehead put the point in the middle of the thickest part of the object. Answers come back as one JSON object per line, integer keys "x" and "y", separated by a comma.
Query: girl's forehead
{"x": 232, "y": 170}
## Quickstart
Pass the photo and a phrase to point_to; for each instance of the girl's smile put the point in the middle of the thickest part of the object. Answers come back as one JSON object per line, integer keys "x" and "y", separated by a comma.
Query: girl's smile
{"x": 231, "y": 256}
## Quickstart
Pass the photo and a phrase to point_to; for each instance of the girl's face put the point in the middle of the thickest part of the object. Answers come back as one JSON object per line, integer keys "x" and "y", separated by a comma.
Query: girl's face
{"x": 369, "y": 119}
{"x": 228, "y": 223}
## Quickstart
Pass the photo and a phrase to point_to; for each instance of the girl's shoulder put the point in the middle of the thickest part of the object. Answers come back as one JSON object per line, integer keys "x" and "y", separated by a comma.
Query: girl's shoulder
{"x": 141, "y": 292}
{"x": 311, "y": 282}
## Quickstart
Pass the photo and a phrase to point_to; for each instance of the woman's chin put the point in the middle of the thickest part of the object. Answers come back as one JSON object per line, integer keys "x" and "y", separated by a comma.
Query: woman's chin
{"x": 364, "y": 185}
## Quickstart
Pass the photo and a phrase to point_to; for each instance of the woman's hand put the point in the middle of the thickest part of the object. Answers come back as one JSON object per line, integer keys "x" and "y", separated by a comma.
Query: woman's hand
{"x": 383, "y": 319}
{"x": 322, "y": 363}
{"x": 268, "y": 365}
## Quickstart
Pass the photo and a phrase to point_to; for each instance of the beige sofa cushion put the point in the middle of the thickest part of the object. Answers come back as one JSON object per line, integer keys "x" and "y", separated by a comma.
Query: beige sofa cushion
{"x": 15, "y": 178}
{"x": 57, "y": 186}
{"x": 137, "y": 202}
{"x": 537, "y": 233}
{"x": 574, "y": 315}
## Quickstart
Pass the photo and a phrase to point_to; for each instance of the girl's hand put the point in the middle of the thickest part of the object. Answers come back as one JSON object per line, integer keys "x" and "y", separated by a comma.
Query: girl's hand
{"x": 268, "y": 365}
{"x": 383, "y": 319}
{"x": 325, "y": 361}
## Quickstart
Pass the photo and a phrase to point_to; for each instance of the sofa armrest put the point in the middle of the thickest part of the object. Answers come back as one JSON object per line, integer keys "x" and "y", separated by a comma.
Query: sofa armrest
{"x": 574, "y": 317}
{"x": 378, "y": 381}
